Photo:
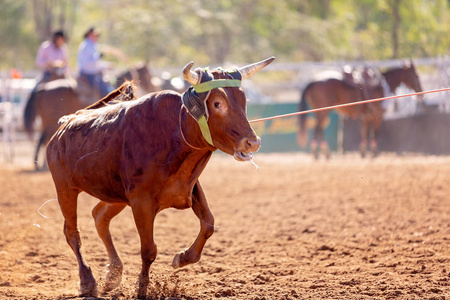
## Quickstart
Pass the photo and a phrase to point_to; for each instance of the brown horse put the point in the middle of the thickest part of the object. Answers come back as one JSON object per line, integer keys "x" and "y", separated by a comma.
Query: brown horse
{"x": 64, "y": 96}
{"x": 334, "y": 91}
{"x": 140, "y": 76}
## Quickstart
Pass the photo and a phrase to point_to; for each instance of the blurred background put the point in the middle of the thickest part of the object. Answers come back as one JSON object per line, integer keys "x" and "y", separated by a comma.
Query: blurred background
{"x": 307, "y": 37}
{"x": 172, "y": 32}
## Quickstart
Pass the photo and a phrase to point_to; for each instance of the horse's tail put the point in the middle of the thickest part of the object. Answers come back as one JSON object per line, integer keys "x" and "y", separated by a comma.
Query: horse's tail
{"x": 29, "y": 114}
{"x": 126, "y": 90}
{"x": 302, "y": 137}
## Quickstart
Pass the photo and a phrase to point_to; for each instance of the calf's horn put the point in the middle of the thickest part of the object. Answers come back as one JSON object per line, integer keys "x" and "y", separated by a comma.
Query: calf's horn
{"x": 190, "y": 76}
{"x": 249, "y": 70}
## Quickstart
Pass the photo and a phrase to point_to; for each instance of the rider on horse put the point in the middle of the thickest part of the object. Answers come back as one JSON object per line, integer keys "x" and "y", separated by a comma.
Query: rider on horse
{"x": 52, "y": 57}
{"x": 90, "y": 64}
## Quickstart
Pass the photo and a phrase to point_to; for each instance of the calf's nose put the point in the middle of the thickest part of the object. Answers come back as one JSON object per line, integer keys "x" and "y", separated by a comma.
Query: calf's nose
{"x": 252, "y": 144}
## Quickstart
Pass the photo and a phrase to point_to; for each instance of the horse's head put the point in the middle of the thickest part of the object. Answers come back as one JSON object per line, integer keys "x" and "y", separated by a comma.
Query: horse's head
{"x": 145, "y": 78}
{"x": 410, "y": 77}
{"x": 217, "y": 98}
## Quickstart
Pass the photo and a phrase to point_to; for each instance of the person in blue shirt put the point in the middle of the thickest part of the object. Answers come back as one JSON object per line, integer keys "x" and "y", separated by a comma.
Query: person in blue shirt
{"x": 90, "y": 63}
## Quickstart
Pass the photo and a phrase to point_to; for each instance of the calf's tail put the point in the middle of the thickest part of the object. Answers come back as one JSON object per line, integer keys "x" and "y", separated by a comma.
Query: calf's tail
{"x": 126, "y": 91}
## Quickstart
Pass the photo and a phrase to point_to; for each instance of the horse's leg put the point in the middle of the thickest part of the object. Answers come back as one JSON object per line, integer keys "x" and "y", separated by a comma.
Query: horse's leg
{"x": 67, "y": 198}
{"x": 315, "y": 149}
{"x": 43, "y": 140}
{"x": 319, "y": 143}
{"x": 372, "y": 142}
{"x": 144, "y": 212}
{"x": 324, "y": 145}
{"x": 38, "y": 148}
{"x": 201, "y": 210}
{"x": 375, "y": 130}
{"x": 364, "y": 133}
{"x": 325, "y": 149}
{"x": 103, "y": 213}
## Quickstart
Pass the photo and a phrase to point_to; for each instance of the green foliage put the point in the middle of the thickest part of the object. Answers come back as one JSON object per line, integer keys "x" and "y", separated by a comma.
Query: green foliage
{"x": 173, "y": 32}
{"x": 16, "y": 35}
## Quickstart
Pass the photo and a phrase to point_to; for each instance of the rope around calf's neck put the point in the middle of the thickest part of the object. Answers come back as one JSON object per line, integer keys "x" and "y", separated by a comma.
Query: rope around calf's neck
{"x": 181, "y": 131}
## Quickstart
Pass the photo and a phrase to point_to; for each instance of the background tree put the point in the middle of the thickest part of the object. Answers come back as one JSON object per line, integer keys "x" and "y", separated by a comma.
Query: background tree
{"x": 172, "y": 32}
{"x": 16, "y": 35}
{"x": 395, "y": 26}
{"x": 51, "y": 15}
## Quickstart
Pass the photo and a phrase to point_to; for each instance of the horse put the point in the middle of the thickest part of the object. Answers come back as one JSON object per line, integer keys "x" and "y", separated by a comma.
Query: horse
{"x": 62, "y": 96}
{"x": 334, "y": 91}
{"x": 140, "y": 76}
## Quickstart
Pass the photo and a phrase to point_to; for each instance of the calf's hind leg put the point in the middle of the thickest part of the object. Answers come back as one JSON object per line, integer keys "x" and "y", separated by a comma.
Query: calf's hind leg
{"x": 103, "y": 213}
{"x": 67, "y": 199}
{"x": 201, "y": 210}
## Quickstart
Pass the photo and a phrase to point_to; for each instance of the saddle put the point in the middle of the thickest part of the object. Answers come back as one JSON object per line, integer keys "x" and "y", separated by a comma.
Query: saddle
{"x": 371, "y": 76}
{"x": 56, "y": 83}
{"x": 351, "y": 76}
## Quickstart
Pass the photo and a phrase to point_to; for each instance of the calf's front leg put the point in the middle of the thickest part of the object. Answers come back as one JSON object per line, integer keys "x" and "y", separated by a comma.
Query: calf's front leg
{"x": 144, "y": 212}
{"x": 201, "y": 210}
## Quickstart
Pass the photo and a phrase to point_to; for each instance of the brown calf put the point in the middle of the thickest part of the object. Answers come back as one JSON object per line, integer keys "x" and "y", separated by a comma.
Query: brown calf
{"x": 149, "y": 153}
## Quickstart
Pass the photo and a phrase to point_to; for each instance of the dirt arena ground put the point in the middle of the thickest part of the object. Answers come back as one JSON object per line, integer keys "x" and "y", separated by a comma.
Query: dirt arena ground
{"x": 293, "y": 229}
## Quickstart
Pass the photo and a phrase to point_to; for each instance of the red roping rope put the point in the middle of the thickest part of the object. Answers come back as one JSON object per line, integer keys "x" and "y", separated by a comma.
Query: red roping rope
{"x": 347, "y": 104}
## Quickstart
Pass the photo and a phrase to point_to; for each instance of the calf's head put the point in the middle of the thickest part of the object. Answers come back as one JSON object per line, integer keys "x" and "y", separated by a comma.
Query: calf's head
{"x": 218, "y": 103}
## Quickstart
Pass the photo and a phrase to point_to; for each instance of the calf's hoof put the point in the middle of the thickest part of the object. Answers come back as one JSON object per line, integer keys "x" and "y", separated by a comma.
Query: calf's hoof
{"x": 142, "y": 289}
{"x": 89, "y": 289}
{"x": 113, "y": 277}
{"x": 176, "y": 263}
{"x": 184, "y": 258}
{"x": 142, "y": 295}
{"x": 180, "y": 259}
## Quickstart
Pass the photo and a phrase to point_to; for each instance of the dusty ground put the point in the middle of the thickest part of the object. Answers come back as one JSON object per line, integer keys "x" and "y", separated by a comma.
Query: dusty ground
{"x": 294, "y": 228}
